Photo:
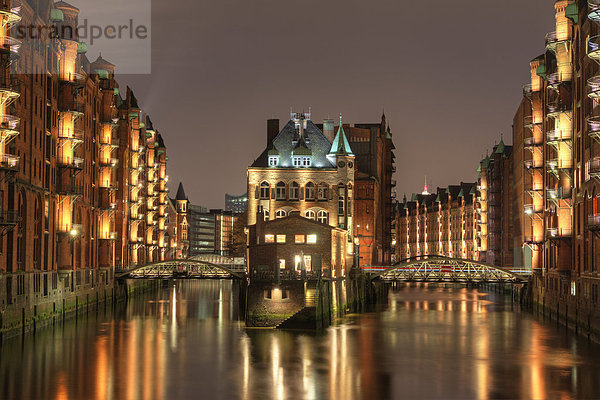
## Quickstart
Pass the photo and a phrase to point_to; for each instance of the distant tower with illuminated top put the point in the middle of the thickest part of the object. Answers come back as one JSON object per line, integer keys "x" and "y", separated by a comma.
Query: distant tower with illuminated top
{"x": 425, "y": 188}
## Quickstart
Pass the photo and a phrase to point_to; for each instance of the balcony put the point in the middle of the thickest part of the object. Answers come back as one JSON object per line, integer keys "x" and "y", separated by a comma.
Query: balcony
{"x": 593, "y": 87}
{"x": 108, "y": 206}
{"x": 530, "y": 165}
{"x": 593, "y": 167}
{"x": 9, "y": 127}
{"x": 10, "y": 88}
{"x": 558, "y": 194}
{"x": 593, "y": 222}
{"x": 553, "y": 137}
{"x": 109, "y": 162}
{"x": 108, "y": 236}
{"x": 69, "y": 189}
{"x": 10, "y": 45}
{"x": 70, "y": 162}
{"x": 553, "y": 40}
{"x": 75, "y": 135}
{"x": 559, "y": 233}
{"x": 593, "y": 124}
{"x": 9, "y": 15}
{"x": 530, "y": 143}
{"x": 556, "y": 107}
{"x": 532, "y": 239}
{"x": 593, "y": 50}
{"x": 556, "y": 79}
{"x": 558, "y": 164}
{"x": 9, "y": 218}
{"x": 9, "y": 162}
{"x": 594, "y": 10}
{"x": 73, "y": 78}
{"x": 72, "y": 107}
{"x": 530, "y": 209}
{"x": 113, "y": 143}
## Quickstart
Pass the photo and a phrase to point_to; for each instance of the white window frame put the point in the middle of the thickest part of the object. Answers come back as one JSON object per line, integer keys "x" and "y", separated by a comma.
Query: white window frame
{"x": 280, "y": 214}
{"x": 310, "y": 214}
{"x": 273, "y": 161}
{"x": 280, "y": 191}
{"x": 294, "y": 191}
{"x": 267, "y": 189}
{"x": 323, "y": 217}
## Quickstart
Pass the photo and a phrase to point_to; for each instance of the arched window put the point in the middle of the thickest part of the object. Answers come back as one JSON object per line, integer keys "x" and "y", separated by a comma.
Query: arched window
{"x": 265, "y": 190}
{"x": 310, "y": 214}
{"x": 280, "y": 214}
{"x": 323, "y": 217}
{"x": 294, "y": 191}
{"x": 323, "y": 192}
{"x": 280, "y": 191}
{"x": 309, "y": 191}
{"x": 266, "y": 213}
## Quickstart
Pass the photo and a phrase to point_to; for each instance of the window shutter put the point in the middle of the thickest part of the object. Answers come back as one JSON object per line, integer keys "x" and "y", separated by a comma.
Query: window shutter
{"x": 301, "y": 190}
{"x": 330, "y": 192}
{"x": 256, "y": 193}
{"x": 272, "y": 193}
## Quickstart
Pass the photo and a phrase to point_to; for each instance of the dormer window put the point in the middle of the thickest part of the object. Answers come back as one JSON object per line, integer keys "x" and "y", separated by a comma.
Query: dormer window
{"x": 302, "y": 161}
{"x": 273, "y": 161}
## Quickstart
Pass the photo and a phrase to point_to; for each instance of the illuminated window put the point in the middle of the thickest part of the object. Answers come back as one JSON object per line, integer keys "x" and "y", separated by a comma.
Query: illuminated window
{"x": 312, "y": 239}
{"x": 310, "y": 214}
{"x": 306, "y": 161}
{"x": 322, "y": 217}
{"x": 309, "y": 191}
{"x": 302, "y": 161}
{"x": 299, "y": 239}
{"x": 294, "y": 191}
{"x": 273, "y": 161}
{"x": 280, "y": 191}
{"x": 280, "y": 214}
{"x": 280, "y": 238}
{"x": 307, "y": 262}
{"x": 281, "y": 264}
{"x": 265, "y": 190}
{"x": 323, "y": 191}
{"x": 269, "y": 238}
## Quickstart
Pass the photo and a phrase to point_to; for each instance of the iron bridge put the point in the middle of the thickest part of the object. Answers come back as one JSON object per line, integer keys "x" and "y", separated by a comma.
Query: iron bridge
{"x": 199, "y": 267}
{"x": 446, "y": 269}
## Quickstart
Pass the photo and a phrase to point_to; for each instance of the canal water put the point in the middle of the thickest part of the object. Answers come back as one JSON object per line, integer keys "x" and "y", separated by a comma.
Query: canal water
{"x": 187, "y": 341}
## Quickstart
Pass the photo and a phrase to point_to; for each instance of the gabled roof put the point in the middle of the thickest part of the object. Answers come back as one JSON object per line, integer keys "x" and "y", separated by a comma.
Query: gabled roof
{"x": 288, "y": 140}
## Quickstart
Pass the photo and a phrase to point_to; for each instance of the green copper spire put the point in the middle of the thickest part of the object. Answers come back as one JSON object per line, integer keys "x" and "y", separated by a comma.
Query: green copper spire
{"x": 340, "y": 145}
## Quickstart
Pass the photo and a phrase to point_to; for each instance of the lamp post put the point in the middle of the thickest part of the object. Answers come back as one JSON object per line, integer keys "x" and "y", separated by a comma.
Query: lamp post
{"x": 357, "y": 251}
{"x": 74, "y": 234}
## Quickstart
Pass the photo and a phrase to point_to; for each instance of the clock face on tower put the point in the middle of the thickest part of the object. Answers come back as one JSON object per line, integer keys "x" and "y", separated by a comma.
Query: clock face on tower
{"x": 341, "y": 164}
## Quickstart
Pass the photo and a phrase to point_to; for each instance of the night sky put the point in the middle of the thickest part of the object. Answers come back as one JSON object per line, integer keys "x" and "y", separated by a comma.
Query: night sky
{"x": 449, "y": 75}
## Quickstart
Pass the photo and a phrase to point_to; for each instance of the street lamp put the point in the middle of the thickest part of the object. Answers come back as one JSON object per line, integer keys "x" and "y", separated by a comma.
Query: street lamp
{"x": 75, "y": 232}
{"x": 357, "y": 251}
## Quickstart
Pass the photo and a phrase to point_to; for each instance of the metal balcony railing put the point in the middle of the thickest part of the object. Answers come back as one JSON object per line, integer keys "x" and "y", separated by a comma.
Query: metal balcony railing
{"x": 559, "y": 232}
{"x": 109, "y": 162}
{"x": 72, "y": 107}
{"x": 9, "y": 122}
{"x": 9, "y": 218}
{"x": 10, "y": 44}
{"x": 531, "y": 165}
{"x": 69, "y": 189}
{"x": 70, "y": 162}
{"x": 593, "y": 49}
{"x": 74, "y": 78}
{"x": 593, "y": 124}
{"x": 556, "y": 164}
{"x": 559, "y": 194}
{"x": 9, "y": 162}
{"x": 71, "y": 134}
{"x": 532, "y": 239}
{"x": 558, "y": 135}
{"x": 594, "y": 10}
{"x": 557, "y": 107}
{"x": 530, "y": 209}
{"x": 11, "y": 85}
{"x": 593, "y": 167}
{"x": 593, "y": 222}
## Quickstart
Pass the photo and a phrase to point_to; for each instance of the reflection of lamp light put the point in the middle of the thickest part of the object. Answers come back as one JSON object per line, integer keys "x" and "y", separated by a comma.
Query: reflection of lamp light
{"x": 356, "y": 241}
{"x": 73, "y": 232}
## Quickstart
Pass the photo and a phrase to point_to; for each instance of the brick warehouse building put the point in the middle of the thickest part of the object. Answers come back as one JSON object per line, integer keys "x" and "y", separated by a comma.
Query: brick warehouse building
{"x": 557, "y": 131}
{"x": 302, "y": 171}
{"x": 440, "y": 223}
{"x": 82, "y": 169}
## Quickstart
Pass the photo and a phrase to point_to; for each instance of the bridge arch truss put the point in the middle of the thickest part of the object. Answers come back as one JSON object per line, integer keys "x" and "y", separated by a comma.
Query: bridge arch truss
{"x": 188, "y": 268}
{"x": 446, "y": 269}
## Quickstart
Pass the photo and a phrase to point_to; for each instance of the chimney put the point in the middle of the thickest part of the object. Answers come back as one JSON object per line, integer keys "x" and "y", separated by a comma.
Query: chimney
{"x": 328, "y": 129}
{"x": 272, "y": 130}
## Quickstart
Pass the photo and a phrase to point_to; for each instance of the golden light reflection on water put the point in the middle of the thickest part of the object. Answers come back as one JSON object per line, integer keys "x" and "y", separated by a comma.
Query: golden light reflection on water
{"x": 186, "y": 342}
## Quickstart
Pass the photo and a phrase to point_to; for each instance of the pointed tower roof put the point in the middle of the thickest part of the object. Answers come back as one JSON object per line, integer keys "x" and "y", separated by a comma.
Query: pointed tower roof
{"x": 340, "y": 145}
{"x": 180, "y": 193}
{"x": 500, "y": 147}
